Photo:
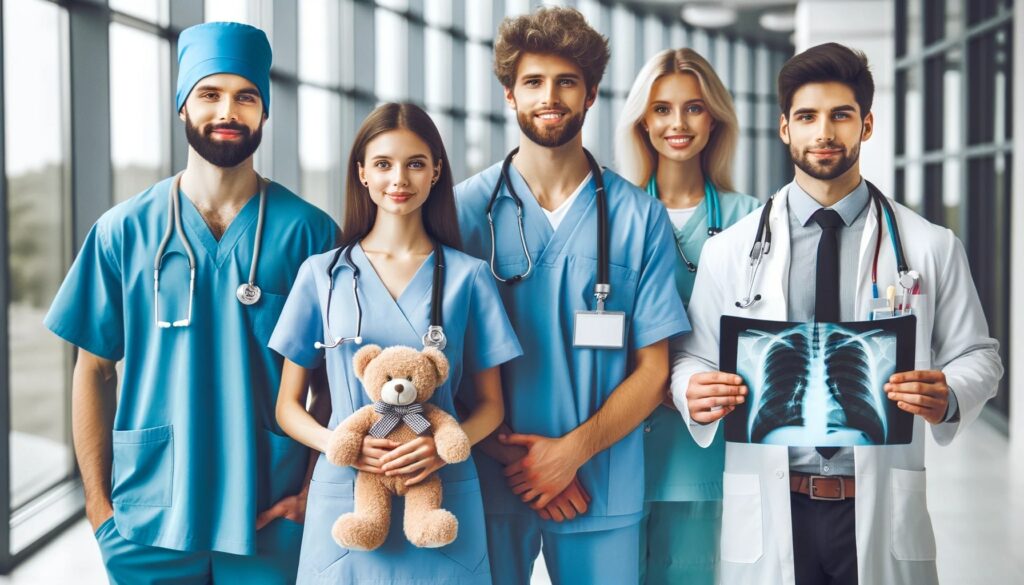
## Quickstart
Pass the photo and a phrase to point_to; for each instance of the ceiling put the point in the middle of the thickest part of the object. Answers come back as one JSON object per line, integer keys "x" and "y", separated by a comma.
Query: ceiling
{"x": 747, "y": 23}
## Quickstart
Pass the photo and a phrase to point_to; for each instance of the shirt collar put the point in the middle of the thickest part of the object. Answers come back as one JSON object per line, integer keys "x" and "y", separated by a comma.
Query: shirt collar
{"x": 849, "y": 207}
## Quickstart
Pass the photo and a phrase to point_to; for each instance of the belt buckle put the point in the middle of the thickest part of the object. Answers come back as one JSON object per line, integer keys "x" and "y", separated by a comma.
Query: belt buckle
{"x": 811, "y": 490}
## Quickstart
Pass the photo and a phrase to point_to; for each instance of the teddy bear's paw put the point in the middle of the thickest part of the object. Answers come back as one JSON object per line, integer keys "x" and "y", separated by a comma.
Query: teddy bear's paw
{"x": 359, "y": 532}
{"x": 453, "y": 447}
{"x": 432, "y": 529}
{"x": 344, "y": 448}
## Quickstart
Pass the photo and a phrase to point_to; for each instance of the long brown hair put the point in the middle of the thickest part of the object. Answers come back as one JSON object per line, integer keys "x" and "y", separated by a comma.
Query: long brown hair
{"x": 439, "y": 217}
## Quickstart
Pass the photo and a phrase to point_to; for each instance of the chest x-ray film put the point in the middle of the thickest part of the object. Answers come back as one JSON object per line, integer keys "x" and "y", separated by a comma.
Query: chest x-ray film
{"x": 818, "y": 384}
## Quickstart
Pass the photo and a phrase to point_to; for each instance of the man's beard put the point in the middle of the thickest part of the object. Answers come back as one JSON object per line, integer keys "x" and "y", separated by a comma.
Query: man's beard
{"x": 551, "y": 137}
{"x": 225, "y": 154}
{"x": 829, "y": 170}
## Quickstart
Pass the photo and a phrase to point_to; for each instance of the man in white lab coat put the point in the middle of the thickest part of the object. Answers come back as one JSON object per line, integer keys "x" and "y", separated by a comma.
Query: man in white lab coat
{"x": 827, "y": 516}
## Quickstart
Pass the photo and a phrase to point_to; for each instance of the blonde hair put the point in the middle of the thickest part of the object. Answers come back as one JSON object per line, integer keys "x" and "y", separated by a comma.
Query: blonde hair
{"x": 635, "y": 155}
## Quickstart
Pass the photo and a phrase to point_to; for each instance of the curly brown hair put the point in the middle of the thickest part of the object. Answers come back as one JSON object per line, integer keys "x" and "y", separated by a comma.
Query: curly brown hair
{"x": 550, "y": 31}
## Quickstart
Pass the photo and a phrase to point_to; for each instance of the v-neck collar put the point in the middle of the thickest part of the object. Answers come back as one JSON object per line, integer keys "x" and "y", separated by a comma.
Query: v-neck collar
{"x": 218, "y": 250}
{"x": 550, "y": 242}
{"x": 695, "y": 226}
{"x": 415, "y": 296}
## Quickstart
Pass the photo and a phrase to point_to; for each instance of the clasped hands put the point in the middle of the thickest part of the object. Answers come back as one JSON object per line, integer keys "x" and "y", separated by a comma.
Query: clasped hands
{"x": 545, "y": 477}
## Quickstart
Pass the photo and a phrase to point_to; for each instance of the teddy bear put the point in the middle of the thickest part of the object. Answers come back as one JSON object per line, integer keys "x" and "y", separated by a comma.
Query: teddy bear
{"x": 400, "y": 380}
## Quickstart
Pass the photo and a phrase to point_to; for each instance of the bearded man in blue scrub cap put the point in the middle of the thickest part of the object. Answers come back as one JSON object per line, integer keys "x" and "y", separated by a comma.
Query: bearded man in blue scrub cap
{"x": 187, "y": 478}
{"x": 567, "y": 472}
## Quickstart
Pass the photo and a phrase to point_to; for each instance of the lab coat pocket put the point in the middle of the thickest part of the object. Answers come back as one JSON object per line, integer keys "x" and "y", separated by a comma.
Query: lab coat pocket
{"x": 912, "y": 536}
{"x": 463, "y": 499}
{"x": 143, "y": 467}
{"x": 326, "y": 501}
{"x": 741, "y": 518}
{"x": 264, "y": 315}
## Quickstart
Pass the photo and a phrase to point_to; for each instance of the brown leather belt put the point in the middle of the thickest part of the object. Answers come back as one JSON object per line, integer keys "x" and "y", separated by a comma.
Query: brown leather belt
{"x": 823, "y": 487}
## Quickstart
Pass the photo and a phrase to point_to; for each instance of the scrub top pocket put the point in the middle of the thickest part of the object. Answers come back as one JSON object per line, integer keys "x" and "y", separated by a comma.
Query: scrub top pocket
{"x": 463, "y": 499}
{"x": 326, "y": 502}
{"x": 143, "y": 465}
{"x": 286, "y": 461}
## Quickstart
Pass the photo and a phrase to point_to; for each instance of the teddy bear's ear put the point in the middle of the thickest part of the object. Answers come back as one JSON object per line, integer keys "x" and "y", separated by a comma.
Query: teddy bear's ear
{"x": 363, "y": 358}
{"x": 440, "y": 362}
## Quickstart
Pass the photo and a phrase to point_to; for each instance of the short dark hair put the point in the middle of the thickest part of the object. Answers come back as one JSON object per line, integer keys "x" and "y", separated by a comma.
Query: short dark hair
{"x": 824, "y": 63}
{"x": 550, "y": 31}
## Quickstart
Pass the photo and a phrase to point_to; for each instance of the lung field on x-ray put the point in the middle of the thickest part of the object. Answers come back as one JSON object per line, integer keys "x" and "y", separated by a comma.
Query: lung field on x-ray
{"x": 817, "y": 384}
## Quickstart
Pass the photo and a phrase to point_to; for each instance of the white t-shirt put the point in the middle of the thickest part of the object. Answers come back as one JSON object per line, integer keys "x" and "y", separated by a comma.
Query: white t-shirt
{"x": 556, "y": 216}
{"x": 679, "y": 217}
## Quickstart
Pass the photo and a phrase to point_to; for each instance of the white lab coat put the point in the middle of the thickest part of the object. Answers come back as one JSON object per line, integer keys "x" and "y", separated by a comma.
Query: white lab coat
{"x": 895, "y": 542}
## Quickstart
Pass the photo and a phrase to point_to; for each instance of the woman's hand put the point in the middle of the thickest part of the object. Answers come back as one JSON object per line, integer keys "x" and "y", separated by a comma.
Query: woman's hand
{"x": 418, "y": 456}
{"x": 373, "y": 450}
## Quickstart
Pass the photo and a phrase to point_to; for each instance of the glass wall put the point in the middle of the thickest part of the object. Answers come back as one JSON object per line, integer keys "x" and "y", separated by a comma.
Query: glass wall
{"x": 88, "y": 121}
{"x": 954, "y": 143}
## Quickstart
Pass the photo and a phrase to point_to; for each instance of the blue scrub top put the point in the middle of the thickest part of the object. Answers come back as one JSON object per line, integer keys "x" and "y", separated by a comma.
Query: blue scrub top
{"x": 479, "y": 337}
{"x": 678, "y": 470}
{"x": 197, "y": 453}
{"x": 556, "y": 387}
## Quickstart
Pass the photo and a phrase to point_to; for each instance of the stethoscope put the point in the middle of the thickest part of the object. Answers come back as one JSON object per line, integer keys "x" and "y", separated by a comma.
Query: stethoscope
{"x": 434, "y": 337}
{"x": 247, "y": 293}
{"x": 908, "y": 279}
{"x": 714, "y": 215}
{"x": 602, "y": 223}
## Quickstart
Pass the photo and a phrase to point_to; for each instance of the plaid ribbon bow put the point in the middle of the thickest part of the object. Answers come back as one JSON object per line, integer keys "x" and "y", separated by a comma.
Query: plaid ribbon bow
{"x": 391, "y": 415}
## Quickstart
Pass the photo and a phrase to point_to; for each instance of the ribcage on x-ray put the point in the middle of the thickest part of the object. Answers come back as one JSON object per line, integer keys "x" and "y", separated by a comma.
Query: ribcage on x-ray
{"x": 805, "y": 359}
{"x": 787, "y": 367}
{"x": 847, "y": 369}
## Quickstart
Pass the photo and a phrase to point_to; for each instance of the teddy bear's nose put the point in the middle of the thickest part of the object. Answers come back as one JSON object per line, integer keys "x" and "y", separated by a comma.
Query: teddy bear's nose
{"x": 399, "y": 388}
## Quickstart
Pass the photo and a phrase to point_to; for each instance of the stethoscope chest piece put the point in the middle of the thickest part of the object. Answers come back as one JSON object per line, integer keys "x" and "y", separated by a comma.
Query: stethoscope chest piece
{"x": 248, "y": 293}
{"x": 435, "y": 337}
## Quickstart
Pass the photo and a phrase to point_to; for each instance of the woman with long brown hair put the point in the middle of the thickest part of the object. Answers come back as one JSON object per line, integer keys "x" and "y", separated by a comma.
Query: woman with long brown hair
{"x": 397, "y": 265}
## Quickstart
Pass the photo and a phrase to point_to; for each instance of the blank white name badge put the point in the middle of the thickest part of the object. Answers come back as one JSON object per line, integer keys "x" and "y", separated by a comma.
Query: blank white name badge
{"x": 599, "y": 329}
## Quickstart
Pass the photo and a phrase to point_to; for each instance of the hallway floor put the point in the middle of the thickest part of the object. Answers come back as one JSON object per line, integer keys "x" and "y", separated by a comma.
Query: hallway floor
{"x": 980, "y": 531}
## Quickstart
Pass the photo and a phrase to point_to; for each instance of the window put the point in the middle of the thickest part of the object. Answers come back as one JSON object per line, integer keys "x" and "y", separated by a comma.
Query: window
{"x": 140, "y": 104}
{"x": 36, "y": 164}
{"x": 953, "y": 141}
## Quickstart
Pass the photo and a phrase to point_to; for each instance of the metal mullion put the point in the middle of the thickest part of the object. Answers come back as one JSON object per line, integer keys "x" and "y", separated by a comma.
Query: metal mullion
{"x": 945, "y": 45}
{"x": 5, "y": 377}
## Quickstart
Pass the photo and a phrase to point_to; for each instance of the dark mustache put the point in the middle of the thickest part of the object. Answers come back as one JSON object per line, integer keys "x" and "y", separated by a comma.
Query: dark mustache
{"x": 228, "y": 126}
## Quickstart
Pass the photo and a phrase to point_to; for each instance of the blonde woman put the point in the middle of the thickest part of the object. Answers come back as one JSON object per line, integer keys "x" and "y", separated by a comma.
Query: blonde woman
{"x": 676, "y": 138}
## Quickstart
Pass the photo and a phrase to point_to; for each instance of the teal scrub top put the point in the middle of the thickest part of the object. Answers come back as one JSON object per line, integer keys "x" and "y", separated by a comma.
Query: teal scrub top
{"x": 479, "y": 337}
{"x": 197, "y": 453}
{"x": 678, "y": 470}
{"x": 556, "y": 387}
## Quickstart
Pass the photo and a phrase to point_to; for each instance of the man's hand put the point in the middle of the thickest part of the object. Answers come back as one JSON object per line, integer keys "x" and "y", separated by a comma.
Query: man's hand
{"x": 290, "y": 507}
{"x": 547, "y": 469}
{"x": 717, "y": 390}
{"x": 568, "y": 504}
{"x": 98, "y": 512}
{"x": 920, "y": 392}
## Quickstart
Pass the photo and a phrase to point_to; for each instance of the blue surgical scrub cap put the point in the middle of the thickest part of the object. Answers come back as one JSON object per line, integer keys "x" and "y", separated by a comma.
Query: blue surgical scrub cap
{"x": 223, "y": 47}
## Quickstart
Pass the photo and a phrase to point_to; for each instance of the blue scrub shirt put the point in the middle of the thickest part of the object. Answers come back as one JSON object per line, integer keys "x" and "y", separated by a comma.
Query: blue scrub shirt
{"x": 555, "y": 387}
{"x": 479, "y": 337}
{"x": 197, "y": 453}
{"x": 678, "y": 470}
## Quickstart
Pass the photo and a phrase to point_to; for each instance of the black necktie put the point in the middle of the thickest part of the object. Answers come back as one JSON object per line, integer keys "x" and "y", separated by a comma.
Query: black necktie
{"x": 826, "y": 290}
